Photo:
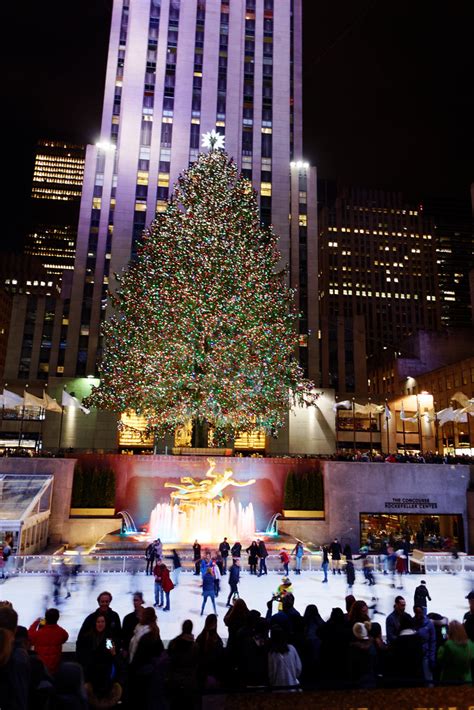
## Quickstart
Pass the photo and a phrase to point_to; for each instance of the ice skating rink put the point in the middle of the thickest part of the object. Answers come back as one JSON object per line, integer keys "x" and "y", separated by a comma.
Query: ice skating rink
{"x": 31, "y": 595}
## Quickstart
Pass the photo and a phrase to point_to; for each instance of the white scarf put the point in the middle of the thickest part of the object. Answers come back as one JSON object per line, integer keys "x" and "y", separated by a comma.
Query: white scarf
{"x": 140, "y": 630}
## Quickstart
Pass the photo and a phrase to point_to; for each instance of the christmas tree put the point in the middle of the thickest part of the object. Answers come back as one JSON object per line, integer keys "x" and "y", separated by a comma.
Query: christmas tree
{"x": 203, "y": 325}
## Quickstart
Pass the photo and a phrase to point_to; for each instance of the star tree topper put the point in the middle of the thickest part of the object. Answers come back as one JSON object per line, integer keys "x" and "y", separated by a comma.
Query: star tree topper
{"x": 213, "y": 140}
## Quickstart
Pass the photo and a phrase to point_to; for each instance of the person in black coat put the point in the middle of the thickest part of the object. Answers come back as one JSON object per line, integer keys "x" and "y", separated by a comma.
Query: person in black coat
{"x": 336, "y": 552}
{"x": 15, "y": 667}
{"x": 112, "y": 620}
{"x": 422, "y": 596}
{"x": 350, "y": 574}
{"x": 224, "y": 549}
{"x": 262, "y": 555}
{"x": 197, "y": 558}
{"x": 236, "y": 549}
{"x": 182, "y": 671}
{"x": 69, "y": 691}
{"x": 234, "y": 579}
{"x": 252, "y": 552}
{"x": 150, "y": 558}
{"x": 334, "y": 652}
{"x": 405, "y": 657}
{"x": 94, "y": 648}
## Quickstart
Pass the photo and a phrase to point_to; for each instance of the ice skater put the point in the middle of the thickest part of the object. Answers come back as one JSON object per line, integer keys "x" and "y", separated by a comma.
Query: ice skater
{"x": 234, "y": 579}
{"x": 400, "y": 567}
{"x": 325, "y": 563}
{"x": 422, "y": 596}
{"x": 262, "y": 555}
{"x": 350, "y": 575}
{"x": 298, "y": 552}
{"x": 208, "y": 590}
{"x": 285, "y": 560}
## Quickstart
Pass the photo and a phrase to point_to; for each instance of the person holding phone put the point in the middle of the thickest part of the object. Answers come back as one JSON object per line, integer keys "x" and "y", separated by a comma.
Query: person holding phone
{"x": 96, "y": 649}
{"x": 47, "y": 638}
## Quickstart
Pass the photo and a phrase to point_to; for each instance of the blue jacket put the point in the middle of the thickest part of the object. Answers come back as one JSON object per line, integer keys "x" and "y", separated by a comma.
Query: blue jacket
{"x": 208, "y": 583}
{"x": 428, "y": 637}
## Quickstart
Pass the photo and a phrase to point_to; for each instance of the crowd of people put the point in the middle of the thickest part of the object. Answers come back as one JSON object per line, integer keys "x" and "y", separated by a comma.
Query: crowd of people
{"x": 125, "y": 660}
{"x": 400, "y": 457}
{"x": 339, "y": 455}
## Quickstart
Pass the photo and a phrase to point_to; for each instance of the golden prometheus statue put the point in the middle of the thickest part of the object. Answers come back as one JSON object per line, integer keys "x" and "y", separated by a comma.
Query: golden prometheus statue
{"x": 191, "y": 492}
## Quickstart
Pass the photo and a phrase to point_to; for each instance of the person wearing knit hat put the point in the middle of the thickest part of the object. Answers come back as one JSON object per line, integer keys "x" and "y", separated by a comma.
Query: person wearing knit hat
{"x": 283, "y": 589}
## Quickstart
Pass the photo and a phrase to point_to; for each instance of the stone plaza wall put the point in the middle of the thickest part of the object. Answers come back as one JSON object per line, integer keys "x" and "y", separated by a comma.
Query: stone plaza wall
{"x": 140, "y": 480}
{"x": 63, "y": 472}
{"x": 352, "y": 488}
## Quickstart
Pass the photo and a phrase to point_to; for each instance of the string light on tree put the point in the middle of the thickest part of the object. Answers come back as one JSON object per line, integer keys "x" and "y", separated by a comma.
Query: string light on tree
{"x": 204, "y": 325}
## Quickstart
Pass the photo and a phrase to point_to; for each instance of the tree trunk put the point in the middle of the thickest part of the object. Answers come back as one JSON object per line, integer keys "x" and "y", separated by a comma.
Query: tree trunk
{"x": 200, "y": 432}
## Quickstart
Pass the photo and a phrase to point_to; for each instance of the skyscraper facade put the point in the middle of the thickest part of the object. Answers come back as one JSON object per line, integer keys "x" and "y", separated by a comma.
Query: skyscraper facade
{"x": 55, "y": 199}
{"x": 378, "y": 282}
{"x": 178, "y": 69}
{"x": 454, "y": 236}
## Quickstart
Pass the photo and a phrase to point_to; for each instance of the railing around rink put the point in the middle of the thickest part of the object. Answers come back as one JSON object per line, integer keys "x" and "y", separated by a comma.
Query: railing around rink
{"x": 132, "y": 564}
{"x": 135, "y": 564}
{"x": 448, "y": 563}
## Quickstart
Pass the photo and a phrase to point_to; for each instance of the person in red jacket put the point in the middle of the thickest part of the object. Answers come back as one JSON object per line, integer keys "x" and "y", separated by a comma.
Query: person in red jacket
{"x": 285, "y": 560}
{"x": 163, "y": 583}
{"x": 48, "y": 639}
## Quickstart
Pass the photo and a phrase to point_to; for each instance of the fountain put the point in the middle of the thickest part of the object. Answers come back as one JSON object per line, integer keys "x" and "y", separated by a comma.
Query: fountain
{"x": 198, "y": 509}
{"x": 128, "y": 524}
{"x": 206, "y": 521}
{"x": 272, "y": 525}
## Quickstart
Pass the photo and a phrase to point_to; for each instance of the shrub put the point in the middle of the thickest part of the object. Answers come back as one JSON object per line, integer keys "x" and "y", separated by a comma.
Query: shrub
{"x": 304, "y": 491}
{"x": 93, "y": 488}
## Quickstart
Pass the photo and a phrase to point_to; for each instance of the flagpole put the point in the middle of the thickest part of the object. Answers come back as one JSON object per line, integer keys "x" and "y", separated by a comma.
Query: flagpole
{"x": 404, "y": 432}
{"x": 61, "y": 427}
{"x": 337, "y": 425}
{"x": 21, "y": 420}
{"x": 61, "y": 423}
{"x": 42, "y": 417}
{"x": 469, "y": 431}
{"x": 370, "y": 427}
{"x": 420, "y": 426}
{"x": 353, "y": 425}
{"x": 454, "y": 428}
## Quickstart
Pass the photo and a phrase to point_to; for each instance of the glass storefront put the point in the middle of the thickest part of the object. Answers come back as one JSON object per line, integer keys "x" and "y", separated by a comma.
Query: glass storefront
{"x": 430, "y": 533}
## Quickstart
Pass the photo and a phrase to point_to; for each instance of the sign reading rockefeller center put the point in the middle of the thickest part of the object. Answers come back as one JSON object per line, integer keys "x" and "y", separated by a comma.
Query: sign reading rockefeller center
{"x": 410, "y": 503}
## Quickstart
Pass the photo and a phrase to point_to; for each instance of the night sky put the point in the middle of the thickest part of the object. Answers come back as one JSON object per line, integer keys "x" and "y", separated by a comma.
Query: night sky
{"x": 388, "y": 92}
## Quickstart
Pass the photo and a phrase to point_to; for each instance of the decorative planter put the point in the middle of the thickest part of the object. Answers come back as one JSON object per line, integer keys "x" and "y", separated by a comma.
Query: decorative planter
{"x": 92, "y": 513}
{"x": 304, "y": 514}
{"x": 190, "y": 451}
